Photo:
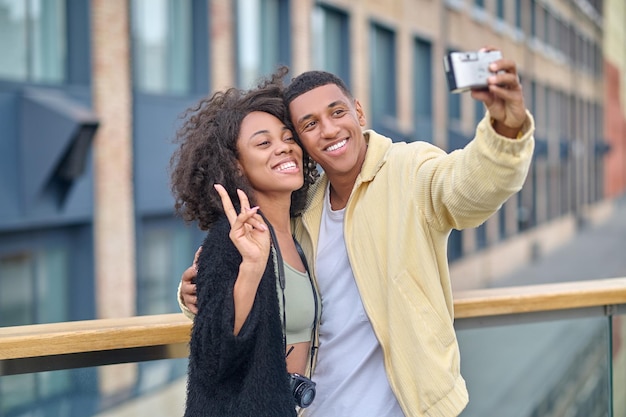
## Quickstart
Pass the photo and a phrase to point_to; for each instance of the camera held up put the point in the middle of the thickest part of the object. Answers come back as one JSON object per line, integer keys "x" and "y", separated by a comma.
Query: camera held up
{"x": 469, "y": 70}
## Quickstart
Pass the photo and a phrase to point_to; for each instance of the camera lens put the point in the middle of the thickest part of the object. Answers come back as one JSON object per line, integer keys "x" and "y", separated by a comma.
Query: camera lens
{"x": 304, "y": 394}
{"x": 303, "y": 390}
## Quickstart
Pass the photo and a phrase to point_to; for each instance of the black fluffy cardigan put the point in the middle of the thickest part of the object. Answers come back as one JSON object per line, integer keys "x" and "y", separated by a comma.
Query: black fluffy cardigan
{"x": 228, "y": 375}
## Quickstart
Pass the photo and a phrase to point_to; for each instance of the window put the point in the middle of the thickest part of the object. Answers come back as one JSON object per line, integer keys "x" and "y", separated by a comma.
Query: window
{"x": 551, "y": 120}
{"x": 33, "y": 289}
{"x": 422, "y": 93}
{"x": 479, "y": 111}
{"x": 597, "y": 61}
{"x": 533, "y": 18}
{"x": 502, "y": 232}
{"x": 563, "y": 37}
{"x": 263, "y": 34}
{"x": 16, "y": 290}
{"x": 538, "y": 103}
{"x": 383, "y": 76}
{"x": 455, "y": 245}
{"x": 167, "y": 249}
{"x": 518, "y": 14}
{"x": 523, "y": 214}
{"x": 478, "y": 11}
{"x": 331, "y": 50}
{"x": 533, "y": 96}
{"x": 481, "y": 236}
{"x": 500, "y": 9}
{"x": 551, "y": 29}
{"x": 545, "y": 16}
{"x": 454, "y": 107}
{"x": 33, "y": 40}
{"x": 162, "y": 46}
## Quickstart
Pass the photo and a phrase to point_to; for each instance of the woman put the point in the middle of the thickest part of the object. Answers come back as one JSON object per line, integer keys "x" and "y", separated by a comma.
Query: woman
{"x": 236, "y": 149}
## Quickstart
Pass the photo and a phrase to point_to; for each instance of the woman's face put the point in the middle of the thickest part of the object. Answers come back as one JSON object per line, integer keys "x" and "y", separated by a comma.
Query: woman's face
{"x": 269, "y": 155}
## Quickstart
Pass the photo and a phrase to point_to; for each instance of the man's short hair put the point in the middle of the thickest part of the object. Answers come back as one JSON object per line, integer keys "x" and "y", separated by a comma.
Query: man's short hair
{"x": 309, "y": 80}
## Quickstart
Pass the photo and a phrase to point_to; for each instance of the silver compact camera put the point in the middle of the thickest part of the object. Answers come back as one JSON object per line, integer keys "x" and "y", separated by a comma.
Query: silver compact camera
{"x": 469, "y": 70}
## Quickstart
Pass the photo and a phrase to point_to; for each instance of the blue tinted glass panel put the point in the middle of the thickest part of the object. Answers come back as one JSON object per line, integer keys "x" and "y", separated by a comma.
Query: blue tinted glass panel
{"x": 162, "y": 45}
{"x": 262, "y": 38}
{"x": 33, "y": 43}
{"x": 331, "y": 46}
{"x": 383, "y": 74}
{"x": 167, "y": 249}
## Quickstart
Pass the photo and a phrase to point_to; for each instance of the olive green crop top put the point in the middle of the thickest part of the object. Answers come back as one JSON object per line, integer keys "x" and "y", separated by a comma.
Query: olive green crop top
{"x": 300, "y": 305}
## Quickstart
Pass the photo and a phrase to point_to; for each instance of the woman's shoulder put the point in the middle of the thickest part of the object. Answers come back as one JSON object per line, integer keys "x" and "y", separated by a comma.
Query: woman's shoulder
{"x": 219, "y": 258}
{"x": 219, "y": 228}
{"x": 217, "y": 238}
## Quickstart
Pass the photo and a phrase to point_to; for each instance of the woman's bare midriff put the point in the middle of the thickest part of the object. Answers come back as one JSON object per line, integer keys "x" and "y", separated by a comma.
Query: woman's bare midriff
{"x": 298, "y": 357}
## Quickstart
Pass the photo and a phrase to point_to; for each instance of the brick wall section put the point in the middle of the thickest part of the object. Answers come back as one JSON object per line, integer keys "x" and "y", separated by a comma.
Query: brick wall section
{"x": 300, "y": 39}
{"x": 113, "y": 218}
{"x": 223, "y": 45}
{"x": 114, "y": 226}
{"x": 615, "y": 133}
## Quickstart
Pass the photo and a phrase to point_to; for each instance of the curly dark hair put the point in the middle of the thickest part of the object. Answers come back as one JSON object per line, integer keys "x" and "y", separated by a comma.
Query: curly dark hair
{"x": 207, "y": 152}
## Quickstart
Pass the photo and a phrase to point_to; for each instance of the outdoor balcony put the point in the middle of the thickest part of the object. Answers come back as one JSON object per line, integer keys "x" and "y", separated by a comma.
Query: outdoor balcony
{"x": 541, "y": 350}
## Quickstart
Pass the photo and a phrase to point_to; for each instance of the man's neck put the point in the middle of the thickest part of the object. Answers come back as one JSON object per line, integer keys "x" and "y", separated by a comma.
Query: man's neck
{"x": 340, "y": 193}
{"x": 341, "y": 185}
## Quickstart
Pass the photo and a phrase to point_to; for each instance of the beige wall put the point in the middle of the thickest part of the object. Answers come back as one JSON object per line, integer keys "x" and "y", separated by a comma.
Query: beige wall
{"x": 222, "y": 44}
{"x": 114, "y": 226}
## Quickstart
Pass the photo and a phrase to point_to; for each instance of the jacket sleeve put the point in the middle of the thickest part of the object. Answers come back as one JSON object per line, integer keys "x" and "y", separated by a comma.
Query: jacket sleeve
{"x": 465, "y": 187}
{"x": 214, "y": 347}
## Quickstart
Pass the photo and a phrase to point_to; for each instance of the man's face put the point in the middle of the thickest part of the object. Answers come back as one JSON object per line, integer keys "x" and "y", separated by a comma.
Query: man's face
{"x": 329, "y": 124}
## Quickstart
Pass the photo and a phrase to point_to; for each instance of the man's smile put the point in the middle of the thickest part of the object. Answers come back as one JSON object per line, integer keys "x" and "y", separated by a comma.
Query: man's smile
{"x": 336, "y": 146}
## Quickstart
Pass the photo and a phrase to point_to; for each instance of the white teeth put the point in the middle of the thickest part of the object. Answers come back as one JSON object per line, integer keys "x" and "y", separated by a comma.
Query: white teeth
{"x": 336, "y": 146}
{"x": 286, "y": 165}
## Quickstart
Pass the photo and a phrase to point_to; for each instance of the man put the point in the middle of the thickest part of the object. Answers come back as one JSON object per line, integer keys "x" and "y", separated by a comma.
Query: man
{"x": 377, "y": 225}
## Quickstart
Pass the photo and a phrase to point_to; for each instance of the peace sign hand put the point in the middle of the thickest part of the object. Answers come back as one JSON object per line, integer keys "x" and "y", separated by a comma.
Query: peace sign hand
{"x": 248, "y": 231}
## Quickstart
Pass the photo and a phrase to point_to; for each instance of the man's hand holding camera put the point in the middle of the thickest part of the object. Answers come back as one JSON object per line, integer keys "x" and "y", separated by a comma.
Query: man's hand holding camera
{"x": 503, "y": 97}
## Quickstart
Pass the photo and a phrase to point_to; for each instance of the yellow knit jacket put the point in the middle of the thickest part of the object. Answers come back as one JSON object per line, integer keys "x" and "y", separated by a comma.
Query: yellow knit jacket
{"x": 403, "y": 206}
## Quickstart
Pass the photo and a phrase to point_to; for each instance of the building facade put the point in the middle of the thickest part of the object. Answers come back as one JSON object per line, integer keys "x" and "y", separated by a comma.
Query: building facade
{"x": 91, "y": 94}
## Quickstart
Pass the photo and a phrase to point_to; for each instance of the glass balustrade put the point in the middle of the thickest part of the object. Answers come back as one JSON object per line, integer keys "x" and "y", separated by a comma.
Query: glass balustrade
{"x": 566, "y": 363}
{"x": 540, "y": 369}
{"x": 618, "y": 360}
{"x": 153, "y": 388}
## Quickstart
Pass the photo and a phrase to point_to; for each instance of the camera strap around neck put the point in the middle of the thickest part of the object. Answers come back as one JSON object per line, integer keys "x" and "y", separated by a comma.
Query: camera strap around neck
{"x": 280, "y": 267}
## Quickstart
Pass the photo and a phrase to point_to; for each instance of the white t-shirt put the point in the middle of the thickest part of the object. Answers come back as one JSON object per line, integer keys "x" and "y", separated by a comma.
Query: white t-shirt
{"x": 350, "y": 373}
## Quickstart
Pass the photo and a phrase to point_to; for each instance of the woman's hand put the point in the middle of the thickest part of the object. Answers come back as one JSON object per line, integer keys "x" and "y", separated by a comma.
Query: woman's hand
{"x": 251, "y": 237}
{"x": 248, "y": 231}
